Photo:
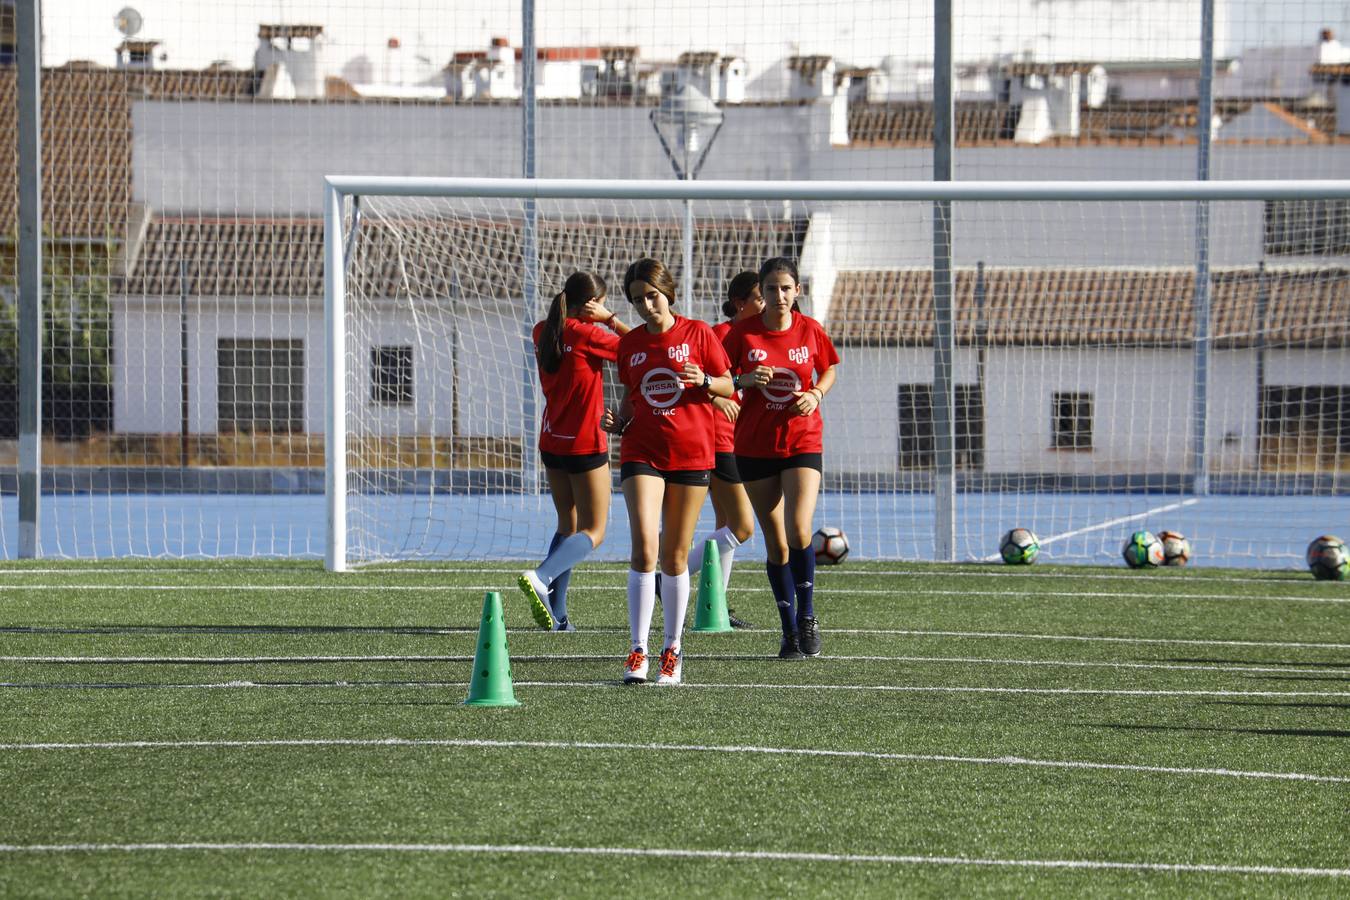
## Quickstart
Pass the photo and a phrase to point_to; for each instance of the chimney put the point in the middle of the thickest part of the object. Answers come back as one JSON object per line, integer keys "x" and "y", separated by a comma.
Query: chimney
{"x": 136, "y": 55}
{"x": 297, "y": 48}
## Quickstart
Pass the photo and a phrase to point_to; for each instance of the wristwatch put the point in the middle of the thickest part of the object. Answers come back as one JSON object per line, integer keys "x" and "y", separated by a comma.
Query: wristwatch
{"x": 707, "y": 381}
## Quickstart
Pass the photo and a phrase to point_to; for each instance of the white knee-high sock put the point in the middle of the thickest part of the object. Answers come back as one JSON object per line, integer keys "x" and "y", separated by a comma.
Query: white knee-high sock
{"x": 726, "y": 553}
{"x": 641, "y": 605}
{"x": 674, "y": 602}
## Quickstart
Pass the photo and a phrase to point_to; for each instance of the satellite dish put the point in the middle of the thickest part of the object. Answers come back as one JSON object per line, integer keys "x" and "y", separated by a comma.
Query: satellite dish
{"x": 128, "y": 21}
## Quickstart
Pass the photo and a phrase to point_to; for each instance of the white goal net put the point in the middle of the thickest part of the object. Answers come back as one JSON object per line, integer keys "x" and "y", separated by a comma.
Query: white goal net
{"x": 1101, "y": 381}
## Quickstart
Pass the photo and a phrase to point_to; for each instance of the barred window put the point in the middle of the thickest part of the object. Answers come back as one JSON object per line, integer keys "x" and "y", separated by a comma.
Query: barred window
{"x": 1071, "y": 415}
{"x": 917, "y": 441}
{"x": 260, "y": 386}
{"x": 391, "y": 375}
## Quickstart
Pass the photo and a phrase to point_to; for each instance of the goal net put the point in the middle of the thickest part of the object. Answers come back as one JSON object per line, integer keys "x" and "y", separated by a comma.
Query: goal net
{"x": 1119, "y": 356}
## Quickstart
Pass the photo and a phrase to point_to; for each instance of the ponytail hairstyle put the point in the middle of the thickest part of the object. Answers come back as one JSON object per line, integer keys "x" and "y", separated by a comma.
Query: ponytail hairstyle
{"x": 780, "y": 264}
{"x": 739, "y": 289}
{"x": 580, "y": 287}
{"x": 655, "y": 273}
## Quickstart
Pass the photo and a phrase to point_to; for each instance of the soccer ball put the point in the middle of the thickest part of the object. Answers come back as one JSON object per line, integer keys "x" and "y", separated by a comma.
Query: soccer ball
{"x": 1328, "y": 558}
{"x": 1142, "y": 551}
{"x": 1019, "y": 547}
{"x": 830, "y": 545}
{"x": 1176, "y": 549}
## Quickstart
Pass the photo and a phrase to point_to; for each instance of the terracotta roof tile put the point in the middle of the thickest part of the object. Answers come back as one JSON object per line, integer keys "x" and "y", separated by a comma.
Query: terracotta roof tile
{"x": 1100, "y": 307}
{"x": 284, "y": 258}
{"x": 980, "y": 122}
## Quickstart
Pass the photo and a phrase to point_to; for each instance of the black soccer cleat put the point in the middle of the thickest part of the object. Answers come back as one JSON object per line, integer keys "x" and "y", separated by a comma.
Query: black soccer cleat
{"x": 736, "y": 622}
{"x": 789, "y": 648}
{"x": 808, "y": 636}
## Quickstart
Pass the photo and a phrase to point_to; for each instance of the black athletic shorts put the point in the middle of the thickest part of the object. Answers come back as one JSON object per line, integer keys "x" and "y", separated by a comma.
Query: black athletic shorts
{"x": 725, "y": 469}
{"x": 690, "y": 477}
{"x": 753, "y": 468}
{"x": 574, "y": 465}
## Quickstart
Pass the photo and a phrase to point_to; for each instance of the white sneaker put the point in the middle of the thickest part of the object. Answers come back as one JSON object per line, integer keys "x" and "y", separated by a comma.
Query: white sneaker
{"x": 534, "y": 589}
{"x": 635, "y": 668}
{"x": 672, "y": 666}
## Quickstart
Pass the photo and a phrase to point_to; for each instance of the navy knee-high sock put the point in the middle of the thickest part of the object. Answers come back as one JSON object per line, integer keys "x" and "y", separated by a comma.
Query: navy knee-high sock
{"x": 803, "y": 566}
{"x": 557, "y": 591}
{"x": 780, "y": 580}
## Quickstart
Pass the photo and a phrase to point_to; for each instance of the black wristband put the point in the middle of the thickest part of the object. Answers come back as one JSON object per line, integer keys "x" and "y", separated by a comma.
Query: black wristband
{"x": 707, "y": 381}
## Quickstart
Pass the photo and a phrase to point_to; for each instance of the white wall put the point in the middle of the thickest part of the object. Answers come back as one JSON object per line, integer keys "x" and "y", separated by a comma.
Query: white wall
{"x": 1141, "y": 405}
{"x": 490, "y": 370}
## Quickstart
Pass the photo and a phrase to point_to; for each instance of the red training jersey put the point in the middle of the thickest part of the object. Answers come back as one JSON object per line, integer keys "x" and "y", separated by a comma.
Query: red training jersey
{"x": 574, "y": 396}
{"x": 768, "y": 427}
{"x": 723, "y": 428}
{"x": 672, "y": 427}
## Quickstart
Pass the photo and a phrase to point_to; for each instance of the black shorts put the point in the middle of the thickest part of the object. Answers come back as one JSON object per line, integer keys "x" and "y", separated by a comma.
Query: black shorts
{"x": 725, "y": 469}
{"x": 574, "y": 465}
{"x": 690, "y": 477}
{"x": 753, "y": 468}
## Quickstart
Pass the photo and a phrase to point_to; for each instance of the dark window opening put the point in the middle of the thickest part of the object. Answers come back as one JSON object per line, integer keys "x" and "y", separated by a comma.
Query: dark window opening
{"x": 1307, "y": 227}
{"x": 1305, "y": 427}
{"x": 260, "y": 386}
{"x": 391, "y": 375}
{"x": 1072, "y": 420}
{"x": 917, "y": 444}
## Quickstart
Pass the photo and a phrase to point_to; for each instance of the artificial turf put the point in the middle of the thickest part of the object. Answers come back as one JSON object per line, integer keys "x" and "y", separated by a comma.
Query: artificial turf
{"x": 957, "y": 737}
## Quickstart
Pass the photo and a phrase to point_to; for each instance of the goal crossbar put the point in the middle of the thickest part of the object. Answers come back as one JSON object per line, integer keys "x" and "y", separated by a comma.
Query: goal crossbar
{"x": 652, "y": 189}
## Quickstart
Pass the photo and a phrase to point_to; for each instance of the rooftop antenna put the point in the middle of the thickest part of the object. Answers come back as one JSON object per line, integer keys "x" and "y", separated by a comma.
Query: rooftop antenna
{"x": 128, "y": 21}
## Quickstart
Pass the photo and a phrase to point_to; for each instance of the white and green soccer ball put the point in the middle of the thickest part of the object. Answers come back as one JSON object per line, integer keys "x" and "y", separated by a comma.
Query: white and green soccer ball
{"x": 1328, "y": 559}
{"x": 1019, "y": 547}
{"x": 1142, "y": 550}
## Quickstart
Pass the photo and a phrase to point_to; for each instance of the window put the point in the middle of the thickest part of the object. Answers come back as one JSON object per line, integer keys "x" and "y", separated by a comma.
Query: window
{"x": 1305, "y": 427}
{"x": 1072, "y": 420}
{"x": 917, "y": 444}
{"x": 391, "y": 376}
{"x": 1307, "y": 227}
{"x": 260, "y": 385}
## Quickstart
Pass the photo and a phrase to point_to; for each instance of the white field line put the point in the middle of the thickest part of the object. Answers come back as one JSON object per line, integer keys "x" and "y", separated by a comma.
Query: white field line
{"x": 741, "y": 686}
{"x": 668, "y": 748}
{"x": 609, "y": 568}
{"x": 609, "y": 632}
{"x": 1000, "y": 635}
{"x": 601, "y": 657}
{"x": 684, "y": 853}
{"x": 441, "y": 588}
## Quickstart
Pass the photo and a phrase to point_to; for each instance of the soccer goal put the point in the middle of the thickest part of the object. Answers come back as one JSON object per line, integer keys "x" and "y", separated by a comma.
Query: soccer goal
{"x": 1082, "y": 359}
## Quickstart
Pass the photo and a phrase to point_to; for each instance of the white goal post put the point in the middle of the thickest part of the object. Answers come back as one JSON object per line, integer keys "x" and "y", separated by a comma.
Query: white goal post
{"x": 956, "y": 334}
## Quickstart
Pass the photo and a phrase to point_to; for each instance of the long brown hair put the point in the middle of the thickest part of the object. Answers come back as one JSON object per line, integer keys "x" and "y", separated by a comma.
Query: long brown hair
{"x": 652, "y": 271}
{"x": 580, "y": 287}
{"x": 739, "y": 289}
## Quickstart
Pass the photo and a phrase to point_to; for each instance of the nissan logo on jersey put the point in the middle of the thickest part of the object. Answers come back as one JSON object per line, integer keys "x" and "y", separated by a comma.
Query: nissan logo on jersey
{"x": 758, "y": 355}
{"x": 782, "y": 385}
{"x": 661, "y": 388}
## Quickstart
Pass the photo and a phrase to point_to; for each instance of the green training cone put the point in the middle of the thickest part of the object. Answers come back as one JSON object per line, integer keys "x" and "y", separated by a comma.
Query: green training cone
{"x": 491, "y": 683}
{"x": 711, "y": 614}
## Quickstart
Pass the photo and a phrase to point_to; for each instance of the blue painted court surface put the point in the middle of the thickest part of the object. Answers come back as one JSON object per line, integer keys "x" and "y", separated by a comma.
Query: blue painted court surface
{"x": 1243, "y": 531}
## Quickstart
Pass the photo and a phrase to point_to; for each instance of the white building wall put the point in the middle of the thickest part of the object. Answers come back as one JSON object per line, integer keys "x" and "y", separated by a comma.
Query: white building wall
{"x": 1141, "y": 406}
{"x": 491, "y": 370}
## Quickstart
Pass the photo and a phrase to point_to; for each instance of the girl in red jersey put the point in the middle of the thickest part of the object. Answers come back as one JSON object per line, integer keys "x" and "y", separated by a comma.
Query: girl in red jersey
{"x": 571, "y": 349}
{"x": 670, "y": 368}
{"x": 778, "y": 441}
{"x": 733, "y": 520}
